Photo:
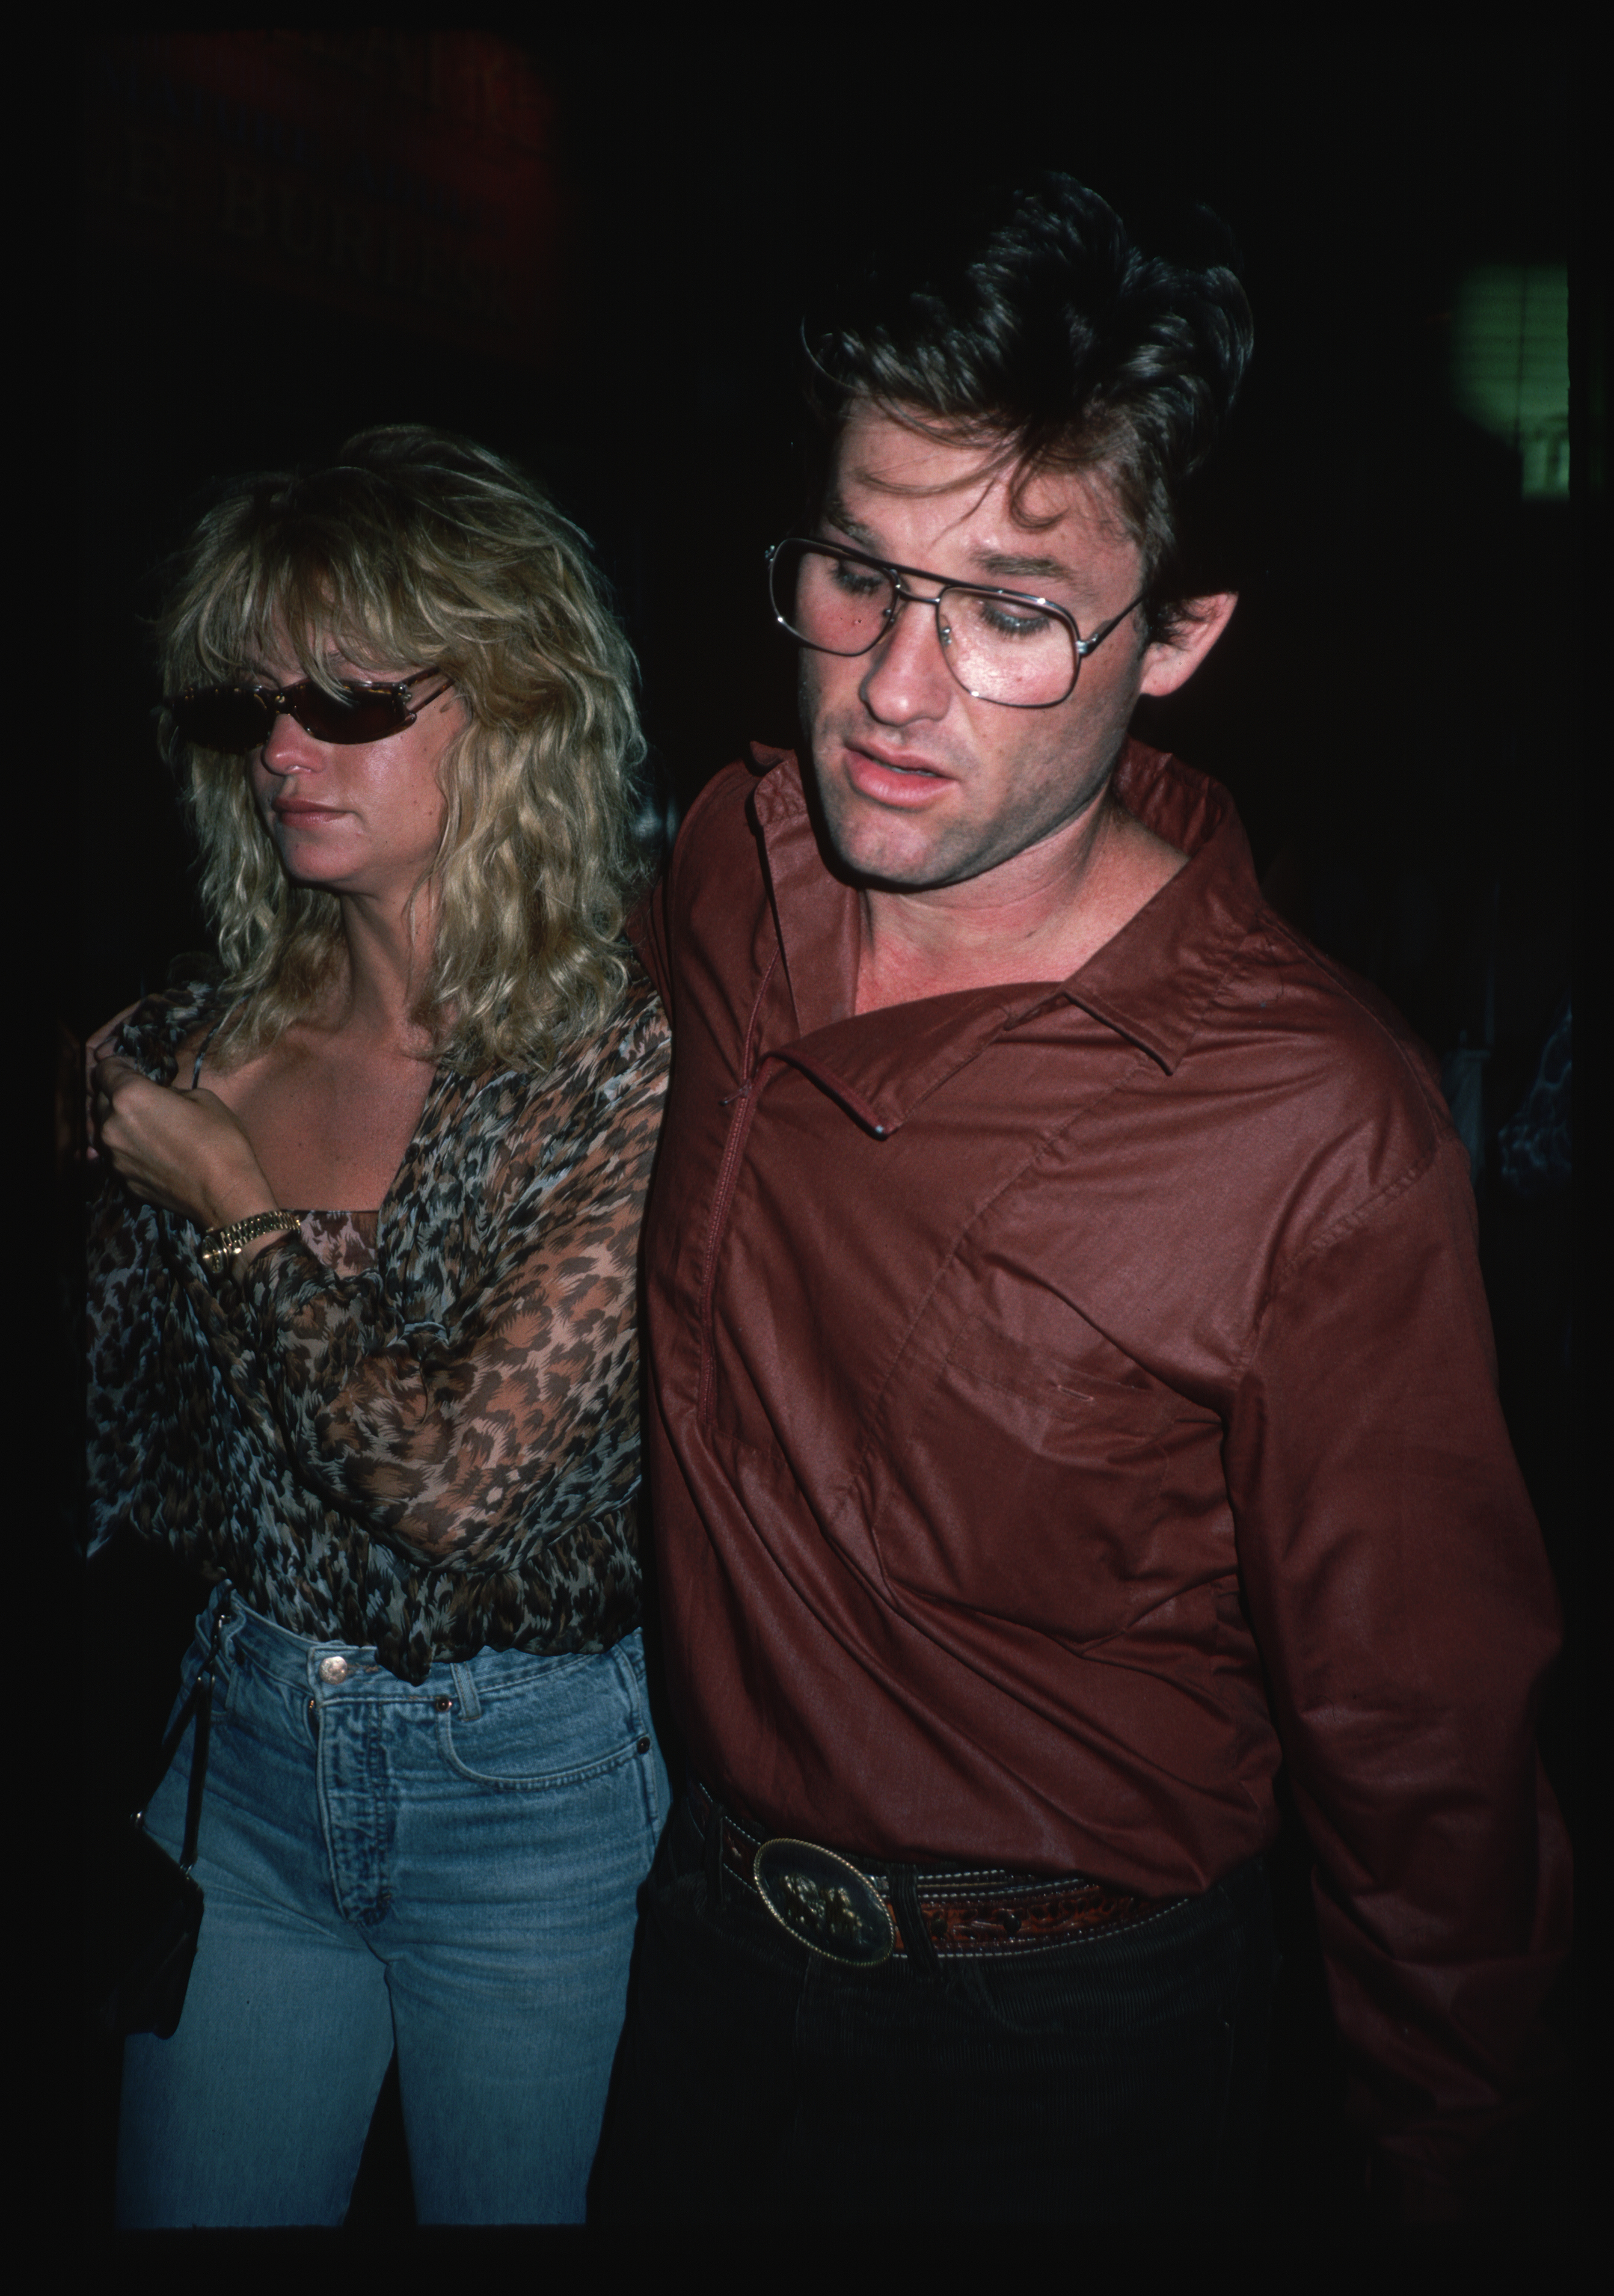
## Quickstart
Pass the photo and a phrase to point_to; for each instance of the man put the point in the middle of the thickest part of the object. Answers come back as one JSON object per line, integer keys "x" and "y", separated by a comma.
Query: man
{"x": 1072, "y": 1387}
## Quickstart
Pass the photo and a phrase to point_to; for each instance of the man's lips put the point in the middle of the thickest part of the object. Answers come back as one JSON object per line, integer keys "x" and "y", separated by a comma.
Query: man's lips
{"x": 890, "y": 780}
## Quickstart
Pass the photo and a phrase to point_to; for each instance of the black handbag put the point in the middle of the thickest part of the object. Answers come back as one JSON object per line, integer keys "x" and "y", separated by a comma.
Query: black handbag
{"x": 150, "y": 1908}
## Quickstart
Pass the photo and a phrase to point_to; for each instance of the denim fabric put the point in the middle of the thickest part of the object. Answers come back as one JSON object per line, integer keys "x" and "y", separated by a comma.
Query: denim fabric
{"x": 448, "y": 1869}
{"x": 1116, "y": 2079}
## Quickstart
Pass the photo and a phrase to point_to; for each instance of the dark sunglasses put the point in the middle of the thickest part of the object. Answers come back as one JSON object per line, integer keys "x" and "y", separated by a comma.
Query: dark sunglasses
{"x": 235, "y": 719}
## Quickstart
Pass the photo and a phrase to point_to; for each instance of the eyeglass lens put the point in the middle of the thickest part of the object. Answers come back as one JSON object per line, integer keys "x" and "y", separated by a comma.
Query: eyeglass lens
{"x": 999, "y": 649}
{"x": 233, "y": 720}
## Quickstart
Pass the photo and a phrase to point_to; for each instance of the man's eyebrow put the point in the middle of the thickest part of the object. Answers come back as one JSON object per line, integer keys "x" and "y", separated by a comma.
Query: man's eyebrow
{"x": 1021, "y": 569}
{"x": 837, "y": 514}
{"x": 1014, "y": 566}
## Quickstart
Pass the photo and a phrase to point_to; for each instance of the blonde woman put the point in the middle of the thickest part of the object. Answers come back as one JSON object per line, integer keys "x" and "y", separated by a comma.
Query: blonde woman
{"x": 361, "y": 1286}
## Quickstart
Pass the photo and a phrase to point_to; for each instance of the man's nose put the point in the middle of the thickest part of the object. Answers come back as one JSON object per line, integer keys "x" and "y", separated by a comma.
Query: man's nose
{"x": 907, "y": 676}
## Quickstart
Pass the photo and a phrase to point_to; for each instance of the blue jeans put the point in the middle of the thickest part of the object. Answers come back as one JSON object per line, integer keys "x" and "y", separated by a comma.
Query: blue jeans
{"x": 449, "y": 1870}
{"x": 1116, "y": 2080}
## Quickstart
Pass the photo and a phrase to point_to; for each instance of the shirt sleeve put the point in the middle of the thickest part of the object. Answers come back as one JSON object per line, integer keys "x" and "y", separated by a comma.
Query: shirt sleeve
{"x": 517, "y": 1411}
{"x": 647, "y": 930}
{"x": 650, "y": 927}
{"x": 1401, "y": 1597}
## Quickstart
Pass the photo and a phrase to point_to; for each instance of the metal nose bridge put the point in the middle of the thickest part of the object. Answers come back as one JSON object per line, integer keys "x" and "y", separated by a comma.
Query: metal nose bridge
{"x": 901, "y": 596}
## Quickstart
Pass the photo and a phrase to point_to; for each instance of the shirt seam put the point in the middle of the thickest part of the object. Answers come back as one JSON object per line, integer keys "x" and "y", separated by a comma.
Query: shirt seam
{"x": 1359, "y": 1215}
{"x": 1140, "y": 1061}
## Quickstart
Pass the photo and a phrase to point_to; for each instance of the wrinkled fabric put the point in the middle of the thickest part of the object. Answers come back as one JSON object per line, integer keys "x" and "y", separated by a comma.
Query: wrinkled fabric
{"x": 1069, "y": 1401}
{"x": 416, "y": 1428}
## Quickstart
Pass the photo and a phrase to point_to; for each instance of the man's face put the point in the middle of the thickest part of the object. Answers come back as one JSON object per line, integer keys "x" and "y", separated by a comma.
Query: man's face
{"x": 921, "y": 784}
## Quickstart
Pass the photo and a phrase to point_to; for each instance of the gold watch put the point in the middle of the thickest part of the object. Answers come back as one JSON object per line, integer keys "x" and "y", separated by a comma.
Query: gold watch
{"x": 220, "y": 1245}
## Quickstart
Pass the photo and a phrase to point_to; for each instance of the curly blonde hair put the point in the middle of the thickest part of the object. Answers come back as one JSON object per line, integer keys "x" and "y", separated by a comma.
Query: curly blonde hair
{"x": 416, "y": 548}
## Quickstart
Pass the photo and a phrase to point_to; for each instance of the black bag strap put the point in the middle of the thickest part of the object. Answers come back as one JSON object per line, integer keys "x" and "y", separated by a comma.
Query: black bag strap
{"x": 202, "y": 1698}
{"x": 200, "y": 1703}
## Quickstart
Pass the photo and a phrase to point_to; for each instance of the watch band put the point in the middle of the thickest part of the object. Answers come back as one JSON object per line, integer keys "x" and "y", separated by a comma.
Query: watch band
{"x": 220, "y": 1245}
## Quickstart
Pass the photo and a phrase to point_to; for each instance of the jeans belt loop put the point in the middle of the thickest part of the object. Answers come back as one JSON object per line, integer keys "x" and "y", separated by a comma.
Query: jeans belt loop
{"x": 712, "y": 1842}
{"x": 911, "y": 1921}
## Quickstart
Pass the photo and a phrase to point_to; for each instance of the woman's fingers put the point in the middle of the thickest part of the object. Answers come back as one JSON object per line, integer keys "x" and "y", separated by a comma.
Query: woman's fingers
{"x": 97, "y": 1046}
{"x": 185, "y": 1149}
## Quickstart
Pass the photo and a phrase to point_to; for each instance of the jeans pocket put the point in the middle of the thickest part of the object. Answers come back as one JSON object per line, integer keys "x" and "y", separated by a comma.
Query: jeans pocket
{"x": 552, "y": 1724}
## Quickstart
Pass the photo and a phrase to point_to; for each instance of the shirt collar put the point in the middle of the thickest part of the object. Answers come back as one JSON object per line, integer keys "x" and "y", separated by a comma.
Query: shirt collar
{"x": 1150, "y": 983}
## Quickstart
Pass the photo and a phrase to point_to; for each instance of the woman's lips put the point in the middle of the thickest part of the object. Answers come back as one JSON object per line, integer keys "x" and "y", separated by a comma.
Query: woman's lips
{"x": 887, "y": 783}
{"x": 308, "y": 812}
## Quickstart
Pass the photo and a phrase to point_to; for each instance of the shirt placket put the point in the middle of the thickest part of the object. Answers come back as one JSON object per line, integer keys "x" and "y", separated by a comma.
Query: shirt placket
{"x": 742, "y": 1105}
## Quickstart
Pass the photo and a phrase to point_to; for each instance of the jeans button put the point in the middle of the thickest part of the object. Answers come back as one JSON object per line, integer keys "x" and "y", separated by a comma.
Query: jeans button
{"x": 333, "y": 1670}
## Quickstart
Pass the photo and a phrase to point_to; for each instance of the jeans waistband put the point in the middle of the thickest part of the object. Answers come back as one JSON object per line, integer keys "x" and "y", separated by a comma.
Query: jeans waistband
{"x": 327, "y": 1666}
{"x": 286, "y": 1656}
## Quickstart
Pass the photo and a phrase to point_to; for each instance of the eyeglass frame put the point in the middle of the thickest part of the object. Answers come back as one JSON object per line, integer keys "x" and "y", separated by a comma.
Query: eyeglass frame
{"x": 1083, "y": 646}
{"x": 281, "y": 702}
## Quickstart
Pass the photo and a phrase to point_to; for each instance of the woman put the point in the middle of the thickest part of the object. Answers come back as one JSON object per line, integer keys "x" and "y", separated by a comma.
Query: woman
{"x": 363, "y": 1344}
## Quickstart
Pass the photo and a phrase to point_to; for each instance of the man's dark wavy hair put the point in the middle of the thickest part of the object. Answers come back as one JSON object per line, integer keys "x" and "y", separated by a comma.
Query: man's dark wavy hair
{"x": 1052, "y": 341}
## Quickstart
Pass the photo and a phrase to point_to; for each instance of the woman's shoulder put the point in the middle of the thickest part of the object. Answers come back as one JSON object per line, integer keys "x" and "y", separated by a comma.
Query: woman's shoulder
{"x": 514, "y": 1130}
{"x": 626, "y": 1053}
{"x": 630, "y": 1050}
{"x": 641, "y": 1018}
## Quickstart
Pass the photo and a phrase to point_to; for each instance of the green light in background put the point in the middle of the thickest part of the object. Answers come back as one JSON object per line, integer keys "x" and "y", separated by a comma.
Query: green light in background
{"x": 1511, "y": 366}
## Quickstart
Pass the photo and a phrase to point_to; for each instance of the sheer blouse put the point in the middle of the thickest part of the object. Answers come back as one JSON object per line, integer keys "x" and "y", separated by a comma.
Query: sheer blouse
{"x": 415, "y": 1428}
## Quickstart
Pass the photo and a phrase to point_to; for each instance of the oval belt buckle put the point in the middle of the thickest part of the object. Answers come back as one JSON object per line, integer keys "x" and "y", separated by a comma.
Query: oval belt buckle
{"x": 825, "y": 1903}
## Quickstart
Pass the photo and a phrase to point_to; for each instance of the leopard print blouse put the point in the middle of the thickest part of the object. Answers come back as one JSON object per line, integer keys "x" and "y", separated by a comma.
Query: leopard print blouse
{"x": 417, "y": 1428}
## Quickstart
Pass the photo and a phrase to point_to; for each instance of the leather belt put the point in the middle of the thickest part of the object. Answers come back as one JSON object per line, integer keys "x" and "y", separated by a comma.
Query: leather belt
{"x": 833, "y": 1907}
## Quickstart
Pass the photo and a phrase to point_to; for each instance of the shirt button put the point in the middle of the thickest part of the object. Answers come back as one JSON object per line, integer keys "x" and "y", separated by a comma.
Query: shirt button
{"x": 333, "y": 1670}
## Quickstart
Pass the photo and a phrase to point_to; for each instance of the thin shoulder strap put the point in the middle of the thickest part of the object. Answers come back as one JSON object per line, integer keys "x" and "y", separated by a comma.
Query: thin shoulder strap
{"x": 202, "y": 1048}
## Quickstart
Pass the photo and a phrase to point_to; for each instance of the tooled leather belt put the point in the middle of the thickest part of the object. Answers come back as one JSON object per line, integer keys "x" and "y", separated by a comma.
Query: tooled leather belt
{"x": 835, "y": 1909}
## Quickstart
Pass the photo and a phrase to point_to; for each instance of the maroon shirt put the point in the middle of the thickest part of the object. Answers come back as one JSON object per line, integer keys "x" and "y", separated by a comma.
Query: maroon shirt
{"x": 1069, "y": 1400}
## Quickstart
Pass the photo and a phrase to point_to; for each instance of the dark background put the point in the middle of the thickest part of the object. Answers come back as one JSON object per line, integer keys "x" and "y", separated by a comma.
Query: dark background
{"x": 595, "y": 257}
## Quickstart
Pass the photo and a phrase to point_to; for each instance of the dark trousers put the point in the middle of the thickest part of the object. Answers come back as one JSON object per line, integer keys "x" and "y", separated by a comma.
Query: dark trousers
{"x": 1119, "y": 2079}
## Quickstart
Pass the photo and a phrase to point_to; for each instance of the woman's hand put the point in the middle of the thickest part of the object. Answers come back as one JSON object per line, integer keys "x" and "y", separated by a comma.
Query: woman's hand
{"x": 97, "y": 1047}
{"x": 184, "y": 1150}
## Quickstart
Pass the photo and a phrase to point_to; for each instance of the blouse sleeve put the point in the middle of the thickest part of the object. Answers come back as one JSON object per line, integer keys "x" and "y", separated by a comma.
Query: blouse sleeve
{"x": 124, "y": 1370}
{"x": 515, "y": 1412}
{"x": 131, "y": 1303}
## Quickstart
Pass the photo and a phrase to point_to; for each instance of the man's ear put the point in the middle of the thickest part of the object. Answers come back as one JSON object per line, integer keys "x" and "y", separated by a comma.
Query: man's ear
{"x": 1171, "y": 662}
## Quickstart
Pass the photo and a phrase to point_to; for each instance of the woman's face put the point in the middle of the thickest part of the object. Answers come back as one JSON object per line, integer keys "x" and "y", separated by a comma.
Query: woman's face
{"x": 362, "y": 820}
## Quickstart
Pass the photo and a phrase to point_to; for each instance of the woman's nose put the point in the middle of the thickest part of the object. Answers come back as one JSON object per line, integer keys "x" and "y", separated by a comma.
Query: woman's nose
{"x": 290, "y": 749}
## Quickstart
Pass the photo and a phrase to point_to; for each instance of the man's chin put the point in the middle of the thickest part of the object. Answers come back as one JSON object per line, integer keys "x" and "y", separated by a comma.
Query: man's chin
{"x": 869, "y": 847}
{"x": 873, "y": 854}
